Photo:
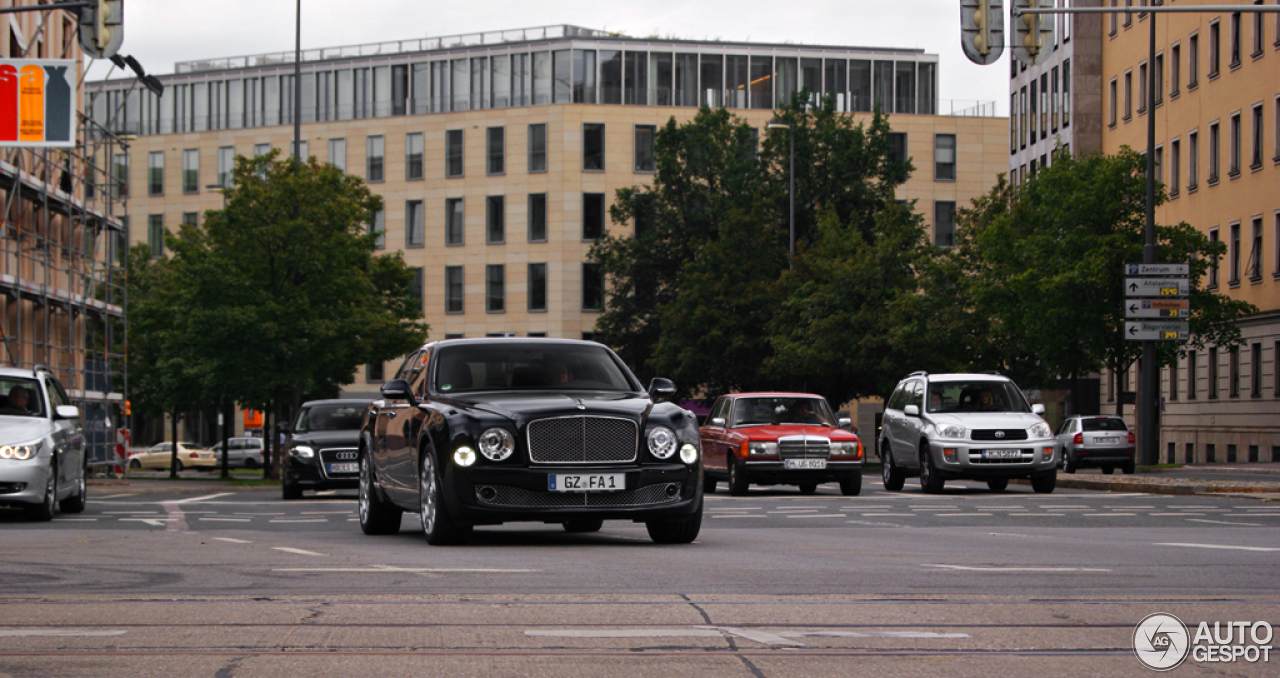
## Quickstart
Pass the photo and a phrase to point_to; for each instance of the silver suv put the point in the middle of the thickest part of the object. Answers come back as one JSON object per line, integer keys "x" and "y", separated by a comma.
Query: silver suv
{"x": 965, "y": 426}
{"x": 42, "y": 450}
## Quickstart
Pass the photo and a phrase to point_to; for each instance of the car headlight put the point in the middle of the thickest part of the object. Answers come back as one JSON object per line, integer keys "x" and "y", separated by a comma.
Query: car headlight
{"x": 762, "y": 449}
{"x": 689, "y": 454}
{"x": 303, "y": 452}
{"x": 662, "y": 442}
{"x": 21, "y": 452}
{"x": 844, "y": 449}
{"x": 951, "y": 432}
{"x": 1041, "y": 430}
{"x": 497, "y": 444}
{"x": 464, "y": 456}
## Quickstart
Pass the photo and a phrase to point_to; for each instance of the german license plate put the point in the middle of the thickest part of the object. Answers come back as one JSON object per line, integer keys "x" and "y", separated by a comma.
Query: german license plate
{"x": 346, "y": 467}
{"x": 1002, "y": 454}
{"x": 1106, "y": 441}
{"x": 586, "y": 482}
{"x": 806, "y": 464}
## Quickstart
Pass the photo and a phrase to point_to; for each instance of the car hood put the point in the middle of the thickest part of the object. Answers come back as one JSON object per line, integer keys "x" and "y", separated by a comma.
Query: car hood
{"x": 525, "y": 407}
{"x": 785, "y": 430}
{"x": 344, "y": 438}
{"x": 22, "y": 429}
{"x": 988, "y": 420}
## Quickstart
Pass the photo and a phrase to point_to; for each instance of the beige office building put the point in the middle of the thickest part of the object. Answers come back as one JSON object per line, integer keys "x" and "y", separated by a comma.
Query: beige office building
{"x": 498, "y": 154}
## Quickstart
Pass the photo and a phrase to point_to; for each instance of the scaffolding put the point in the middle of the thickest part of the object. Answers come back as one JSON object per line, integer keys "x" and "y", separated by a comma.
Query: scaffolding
{"x": 63, "y": 255}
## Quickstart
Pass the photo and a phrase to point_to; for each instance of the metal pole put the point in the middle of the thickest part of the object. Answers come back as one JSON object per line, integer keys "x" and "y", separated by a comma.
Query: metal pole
{"x": 791, "y": 174}
{"x": 297, "y": 85}
{"x": 1149, "y": 384}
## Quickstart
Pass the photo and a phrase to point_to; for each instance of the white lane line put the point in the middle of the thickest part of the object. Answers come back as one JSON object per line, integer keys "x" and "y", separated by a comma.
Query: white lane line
{"x": 1128, "y": 494}
{"x": 917, "y": 635}
{"x": 818, "y": 515}
{"x": 1061, "y": 506}
{"x": 253, "y": 513}
{"x": 1221, "y": 522}
{"x": 233, "y": 541}
{"x": 404, "y": 570}
{"x": 1175, "y": 514}
{"x": 131, "y": 513}
{"x": 322, "y": 513}
{"x": 1034, "y": 515}
{"x": 1015, "y": 534}
{"x": 970, "y": 568}
{"x": 793, "y": 511}
{"x": 60, "y": 633}
{"x": 115, "y": 496}
{"x": 871, "y": 524}
{"x": 77, "y": 520}
{"x": 296, "y": 520}
{"x": 762, "y": 637}
{"x": 624, "y": 633}
{"x": 226, "y": 520}
{"x": 749, "y": 516}
{"x": 887, "y": 513}
{"x": 1106, "y": 515}
{"x": 963, "y": 514}
{"x": 301, "y": 552}
{"x": 1232, "y": 547}
{"x": 157, "y": 522}
{"x": 195, "y": 499}
{"x": 1131, "y": 508}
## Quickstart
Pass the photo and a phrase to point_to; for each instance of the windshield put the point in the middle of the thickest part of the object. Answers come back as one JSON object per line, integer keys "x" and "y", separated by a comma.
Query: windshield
{"x": 1107, "y": 424}
{"x": 336, "y": 417}
{"x": 515, "y": 366}
{"x": 20, "y": 398}
{"x": 975, "y": 396}
{"x": 774, "y": 411}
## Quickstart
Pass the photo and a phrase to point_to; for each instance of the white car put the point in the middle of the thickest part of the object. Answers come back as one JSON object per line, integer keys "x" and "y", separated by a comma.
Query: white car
{"x": 42, "y": 446}
{"x": 245, "y": 453}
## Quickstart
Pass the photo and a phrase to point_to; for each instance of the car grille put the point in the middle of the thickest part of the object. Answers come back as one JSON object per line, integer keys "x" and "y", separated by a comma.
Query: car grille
{"x": 804, "y": 447}
{"x": 994, "y": 434}
{"x": 338, "y": 455}
{"x": 662, "y": 493}
{"x": 1026, "y": 456}
{"x": 582, "y": 440}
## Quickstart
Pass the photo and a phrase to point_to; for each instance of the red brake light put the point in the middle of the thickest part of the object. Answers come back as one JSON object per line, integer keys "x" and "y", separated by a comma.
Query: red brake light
{"x": 1130, "y": 437}
{"x": 1079, "y": 439}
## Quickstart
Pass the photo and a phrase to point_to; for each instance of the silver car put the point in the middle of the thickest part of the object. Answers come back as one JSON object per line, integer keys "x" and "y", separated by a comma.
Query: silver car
{"x": 1104, "y": 441}
{"x": 42, "y": 446}
{"x": 246, "y": 452}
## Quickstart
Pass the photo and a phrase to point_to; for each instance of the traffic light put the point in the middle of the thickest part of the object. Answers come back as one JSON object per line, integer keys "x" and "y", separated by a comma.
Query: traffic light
{"x": 1033, "y": 33}
{"x": 102, "y": 28}
{"x": 982, "y": 30}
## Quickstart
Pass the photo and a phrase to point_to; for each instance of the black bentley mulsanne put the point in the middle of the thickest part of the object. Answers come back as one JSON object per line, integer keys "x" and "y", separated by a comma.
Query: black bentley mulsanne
{"x": 488, "y": 431}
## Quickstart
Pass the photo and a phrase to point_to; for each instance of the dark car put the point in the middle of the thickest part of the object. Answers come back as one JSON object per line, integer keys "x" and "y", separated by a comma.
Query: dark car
{"x": 321, "y": 453}
{"x": 489, "y": 431}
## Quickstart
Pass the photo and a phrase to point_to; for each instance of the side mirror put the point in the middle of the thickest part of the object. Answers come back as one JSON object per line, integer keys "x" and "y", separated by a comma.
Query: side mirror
{"x": 398, "y": 389}
{"x": 661, "y": 387}
{"x": 911, "y": 411}
{"x": 717, "y": 421}
{"x": 1037, "y": 409}
{"x": 844, "y": 423}
{"x": 66, "y": 412}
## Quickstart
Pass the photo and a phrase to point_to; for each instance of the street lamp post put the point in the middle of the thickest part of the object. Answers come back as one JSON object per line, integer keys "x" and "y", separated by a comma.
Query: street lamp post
{"x": 778, "y": 123}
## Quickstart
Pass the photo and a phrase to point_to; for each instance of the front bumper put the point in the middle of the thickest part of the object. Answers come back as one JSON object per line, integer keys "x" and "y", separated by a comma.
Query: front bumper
{"x": 307, "y": 474}
{"x": 774, "y": 472}
{"x": 23, "y": 482}
{"x": 974, "y": 459}
{"x": 494, "y": 494}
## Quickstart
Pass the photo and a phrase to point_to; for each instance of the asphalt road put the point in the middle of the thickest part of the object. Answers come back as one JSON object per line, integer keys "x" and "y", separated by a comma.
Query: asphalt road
{"x": 235, "y": 584}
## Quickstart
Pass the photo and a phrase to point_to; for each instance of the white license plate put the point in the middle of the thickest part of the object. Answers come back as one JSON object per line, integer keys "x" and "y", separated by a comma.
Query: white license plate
{"x": 349, "y": 467}
{"x": 1002, "y": 454}
{"x": 586, "y": 482}
{"x": 818, "y": 464}
{"x": 1106, "y": 441}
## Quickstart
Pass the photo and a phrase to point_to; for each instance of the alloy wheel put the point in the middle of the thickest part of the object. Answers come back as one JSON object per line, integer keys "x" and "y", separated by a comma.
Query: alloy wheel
{"x": 365, "y": 488}
{"x": 427, "y": 493}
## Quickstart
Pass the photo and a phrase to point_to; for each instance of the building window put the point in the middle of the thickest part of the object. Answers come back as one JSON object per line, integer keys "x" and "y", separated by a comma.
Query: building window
{"x": 337, "y": 155}
{"x": 374, "y": 373}
{"x": 495, "y": 209}
{"x": 1114, "y": 104}
{"x": 897, "y": 147}
{"x": 1044, "y": 105}
{"x": 1233, "y": 372}
{"x": 1233, "y": 255}
{"x": 191, "y": 170}
{"x": 1193, "y": 161}
{"x": 453, "y": 221}
{"x": 944, "y": 157}
{"x": 538, "y": 147}
{"x": 226, "y": 163}
{"x": 1022, "y": 124}
{"x": 1235, "y": 40}
{"x": 155, "y": 173}
{"x": 190, "y": 218}
{"x": 1066, "y": 91}
{"x": 592, "y": 287}
{"x": 1214, "y": 48}
{"x": 378, "y": 224}
{"x": 1255, "y": 148}
{"x": 944, "y": 223}
{"x": 1142, "y": 88}
{"x": 592, "y": 216}
{"x": 1158, "y": 75}
{"x": 1213, "y": 373}
{"x": 414, "y": 228}
{"x": 413, "y": 149}
{"x": 1057, "y": 103}
{"x": 1275, "y": 375}
{"x": 1275, "y": 262}
{"x": 260, "y": 150}
{"x": 302, "y": 151}
{"x": 374, "y": 159}
{"x": 453, "y": 153}
{"x": 416, "y": 289}
{"x": 1175, "y": 71}
{"x": 1128, "y": 16}
{"x": 1213, "y": 265}
{"x": 1159, "y": 164}
{"x": 1213, "y": 153}
{"x": 537, "y": 293}
{"x": 1255, "y": 371}
{"x": 1193, "y": 61}
{"x": 496, "y": 151}
{"x": 1276, "y": 125}
{"x": 1234, "y": 169}
{"x": 1175, "y": 167}
{"x": 1013, "y": 121}
{"x": 1258, "y": 30}
{"x": 1173, "y": 380}
{"x": 592, "y": 147}
{"x": 1192, "y": 375}
{"x": 1112, "y": 30}
{"x": 1035, "y": 113}
{"x": 644, "y": 142}
{"x": 537, "y": 217}
{"x": 1128, "y": 95}
{"x": 155, "y": 234}
{"x": 495, "y": 288}
{"x": 453, "y": 289}
{"x": 1254, "y": 266}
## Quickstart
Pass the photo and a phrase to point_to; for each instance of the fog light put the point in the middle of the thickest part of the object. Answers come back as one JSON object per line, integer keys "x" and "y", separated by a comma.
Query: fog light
{"x": 688, "y": 454}
{"x": 487, "y": 494}
{"x": 949, "y": 454}
{"x": 673, "y": 489}
{"x": 464, "y": 456}
{"x": 1047, "y": 454}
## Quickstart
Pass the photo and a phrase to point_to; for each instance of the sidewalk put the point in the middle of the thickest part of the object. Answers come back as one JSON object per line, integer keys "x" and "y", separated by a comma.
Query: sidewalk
{"x": 1182, "y": 481}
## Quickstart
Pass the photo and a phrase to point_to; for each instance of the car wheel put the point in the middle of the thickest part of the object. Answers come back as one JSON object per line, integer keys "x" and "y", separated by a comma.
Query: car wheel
{"x": 851, "y": 485}
{"x": 43, "y": 512}
{"x": 808, "y": 488}
{"x": 377, "y": 516}
{"x": 894, "y": 478}
{"x": 1108, "y": 470}
{"x": 1044, "y": 482}
{"x": 708, "y": 484}
{"x": 930, "y": 481}
{"x": 135, "y": 464}
{"x": 1129, "y": 467}
{"x": 438, "y": 526}
{"x": 581, "y": 526}
{"x": 250, "y": 463}
{"x": 177, "y": 466}
{"x": 1069, "y": 463}
{"x": 75, "y": 503}
{"x": 997, "y": 484}
{"x": 676, "y": 531}
{"x": 737, "y": 479}
{"x": 289, "y": 491}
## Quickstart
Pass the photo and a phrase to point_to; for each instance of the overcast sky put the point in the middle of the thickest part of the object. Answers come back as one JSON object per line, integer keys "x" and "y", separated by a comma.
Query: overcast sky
{"x": 160, "y": 32}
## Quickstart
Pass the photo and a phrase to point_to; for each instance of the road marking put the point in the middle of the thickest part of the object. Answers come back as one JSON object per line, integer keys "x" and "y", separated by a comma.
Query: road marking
{"x": 1034, "y": 515}
{"x": 624, "y": 633}
{"x": 157, "y": 522}
{"x": 921, "y": 635}
{"x": 404, "y": 570}
{"x": 949, "y": 515}
{"x": 250, "y": 513}
{"x": 897, "y": 515}
{"x": 1131, "y": 508}
{"x": 1128, "y": 494}
{"x": 732, "y": 516}
{"x": 233, "y": 541}
{"x": 818, "y": 515}
{"x": 1015, "y": 534}
{"x": 322, "y": 513}
{"x": 1176, "y": 514}
{"x": 62, "y": 633}
{"x": 297, "y": 520}
{"x": 793, "y": 511}
{"x": 1062, "y": 506}
{"x": 116, "y": 496}
{"x": 1222, "y": 522}
{"x": 131, "y": 513}
{"x": 1232, "y": 547}
{"x": 1106, "y": 515}
{"x": 970, "y": 568}
{"x": 762, "y": 637}
{"x": 195, "y": 499}
{"x": 227, "y": 520}
{"x": 872, "y": 524}
{"x": 301, "y": 552}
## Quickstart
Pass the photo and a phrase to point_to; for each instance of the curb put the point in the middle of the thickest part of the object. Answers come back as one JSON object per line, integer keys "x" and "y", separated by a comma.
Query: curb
{"x": 1155, "y": 487}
